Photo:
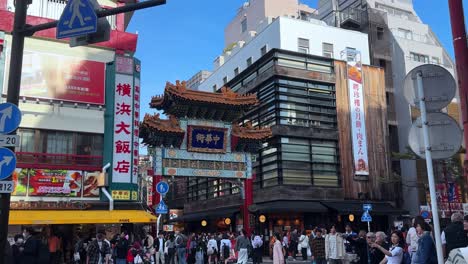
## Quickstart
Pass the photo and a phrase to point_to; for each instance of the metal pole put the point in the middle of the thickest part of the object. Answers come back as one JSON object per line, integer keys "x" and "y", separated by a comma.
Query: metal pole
{"x": 430, "y": 169}
{"x": 368, "y": 227}
{"x": 14, "y": 82}
{"x": 457, "y": 19}
{"x": 159, "y": 219}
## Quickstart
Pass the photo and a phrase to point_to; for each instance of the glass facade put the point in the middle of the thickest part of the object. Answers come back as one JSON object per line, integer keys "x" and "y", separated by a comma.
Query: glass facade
{"x": 302, "y": 105}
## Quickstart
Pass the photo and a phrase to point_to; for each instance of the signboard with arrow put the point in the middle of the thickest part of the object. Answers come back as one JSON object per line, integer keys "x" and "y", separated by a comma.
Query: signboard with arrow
{"x": 7, "y": 163}
{"x": 10, "y": 118}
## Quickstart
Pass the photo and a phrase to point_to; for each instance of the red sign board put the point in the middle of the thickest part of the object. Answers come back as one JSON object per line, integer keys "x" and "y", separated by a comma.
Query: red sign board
{"x": 64, "y": 78}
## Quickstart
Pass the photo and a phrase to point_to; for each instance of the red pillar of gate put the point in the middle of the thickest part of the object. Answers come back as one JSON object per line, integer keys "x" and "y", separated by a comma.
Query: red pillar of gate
{"x": 156, "y": 195}
{"x": 248, "y": 201}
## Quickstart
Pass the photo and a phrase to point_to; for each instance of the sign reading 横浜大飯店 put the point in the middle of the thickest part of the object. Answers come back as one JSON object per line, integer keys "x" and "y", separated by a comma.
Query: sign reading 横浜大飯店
{"x": 201, "y": 137}
{"x": 122, "y": 128}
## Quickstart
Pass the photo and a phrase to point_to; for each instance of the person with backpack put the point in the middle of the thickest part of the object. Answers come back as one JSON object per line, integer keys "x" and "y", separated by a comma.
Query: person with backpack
{"x": 225, "y": 248}
{"x": 426, "y": 253}
{"x": 212, "y": 250}
{"x": 181, "y": 244}
{"x": 170, "y": 250}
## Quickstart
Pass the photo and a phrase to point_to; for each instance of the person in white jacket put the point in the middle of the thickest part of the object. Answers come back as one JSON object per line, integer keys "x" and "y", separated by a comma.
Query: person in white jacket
{"x": 304, "y": 244}
{"x": 212, "y": 250}
{"x": 334, "y": 247}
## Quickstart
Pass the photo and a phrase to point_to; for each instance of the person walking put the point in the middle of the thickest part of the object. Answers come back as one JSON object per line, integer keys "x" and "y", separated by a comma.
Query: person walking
{"x": 181, "y": 245}
{"x": 257, "y": 244}
{"x": 375, "y": 255}
{"x": 426, "y": 253}
{"x": 278, "y": 251}
{"x": 318, "y": 248}
{"x": 360, "y": 246}
{"x": 334, "y": 247}
{"x": 17, "y": 249}
{"x": 225, "y": 248}
{"x": 304, "y": 245}
{"x": 31, "y": 247}
{"x": 454, "y": 235}
{"x": 171, "y": 250}
{"x": 395, "y": 254}
{"x": 148, "y": 246}
{"x": 159, "y": 249}
{"x": 98, "y": 251}
{"x": 412, "y": 238}
{"x": 285, "y": 244}
{"x": 294, "y": 241}
{"x": 242, "y": 245}
{"x": 121, "y": 249}
{"x": 54, "y": 243}
{"x": 212, "y": 250}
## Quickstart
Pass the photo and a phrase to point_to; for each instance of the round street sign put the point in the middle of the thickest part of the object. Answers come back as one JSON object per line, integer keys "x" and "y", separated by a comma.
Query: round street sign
{"x": 444, "y": 134}
{"x": 10, "y": 118}
{"x": 7, "y": 163}
{"x": 162, "y": 188}
{"x": 439, "y": 87}
{"x": 425, "y": 214}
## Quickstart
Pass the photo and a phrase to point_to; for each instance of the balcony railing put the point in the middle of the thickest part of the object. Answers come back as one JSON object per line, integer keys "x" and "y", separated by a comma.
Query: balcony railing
{"x": 58, "y": 161}
{"x": 51, "y": 9}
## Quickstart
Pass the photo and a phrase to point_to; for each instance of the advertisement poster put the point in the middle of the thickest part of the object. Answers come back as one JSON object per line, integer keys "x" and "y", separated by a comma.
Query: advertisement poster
{"x": 357, "y": 111}
{"x": 20, "y": 179}
{"x": 55, "y": 183}
{"x": 59, "y": 77}
{"x": 90, "y": 186}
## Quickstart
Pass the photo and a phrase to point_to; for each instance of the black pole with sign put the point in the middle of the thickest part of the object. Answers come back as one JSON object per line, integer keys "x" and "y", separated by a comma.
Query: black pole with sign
{"x": 20, "y": 31}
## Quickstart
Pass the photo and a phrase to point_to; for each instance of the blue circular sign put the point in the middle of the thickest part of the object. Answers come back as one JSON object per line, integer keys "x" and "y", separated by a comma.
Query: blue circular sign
{"x": 7, "y": 163}
{"x": 10, "y": 118}
{"x": 425, "y": 214}
{"x": 162, "y": 187}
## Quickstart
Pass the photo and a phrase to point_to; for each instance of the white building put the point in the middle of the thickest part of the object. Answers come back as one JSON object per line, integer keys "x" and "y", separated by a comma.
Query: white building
{"x": 307, "y": 36}
{"x": 399, "y": 42}
{"x": 197, "y": 79}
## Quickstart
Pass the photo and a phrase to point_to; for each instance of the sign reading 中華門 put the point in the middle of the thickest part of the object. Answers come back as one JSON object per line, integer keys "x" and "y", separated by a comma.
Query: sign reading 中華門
{"x": 206, "y": 139}
{"x": 357, "y": 110}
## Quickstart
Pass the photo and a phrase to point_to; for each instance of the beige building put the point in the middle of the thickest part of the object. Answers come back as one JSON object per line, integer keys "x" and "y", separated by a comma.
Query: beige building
{"x": 254, "y": 15}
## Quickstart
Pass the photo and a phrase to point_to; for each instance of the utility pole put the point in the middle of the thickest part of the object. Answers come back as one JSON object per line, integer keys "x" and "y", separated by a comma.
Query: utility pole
{"x": 20, "y": 32}
{"x": 14, "y": 82}
{"x": 457, "y": 19}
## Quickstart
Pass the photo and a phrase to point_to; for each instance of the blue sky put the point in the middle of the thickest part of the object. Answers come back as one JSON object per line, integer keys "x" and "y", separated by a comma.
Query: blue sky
{"x": 184, "y": 36}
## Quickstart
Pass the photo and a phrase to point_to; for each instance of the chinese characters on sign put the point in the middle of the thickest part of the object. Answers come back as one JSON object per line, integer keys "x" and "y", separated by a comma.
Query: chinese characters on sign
{"x": 358, "y": 120}
{"x": 123, "y": 129}
{"x": 120, "y": 194}
{"x": 136, "y": 131}
{"x": 207, "y": 139}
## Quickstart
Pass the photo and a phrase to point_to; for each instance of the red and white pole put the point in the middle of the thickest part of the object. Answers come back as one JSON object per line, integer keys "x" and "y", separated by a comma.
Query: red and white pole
{"x": 248, "y": 201}
{"x": 457, "y": 19}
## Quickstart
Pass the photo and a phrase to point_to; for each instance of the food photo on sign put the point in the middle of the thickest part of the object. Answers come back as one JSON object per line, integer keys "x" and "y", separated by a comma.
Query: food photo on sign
{"x": 54, "y": 183}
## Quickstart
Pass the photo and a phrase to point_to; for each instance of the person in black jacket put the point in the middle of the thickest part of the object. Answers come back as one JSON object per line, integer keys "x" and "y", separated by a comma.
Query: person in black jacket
{"x": 31, "y": 247}
{"x": 159, "y": 243}
{"x": 360, "y": 245}
{"x": 121, "y": 249}
{"x": 375, "y": 255}
{"x": 17, "y": 249}
{"x": 7, "y": 254}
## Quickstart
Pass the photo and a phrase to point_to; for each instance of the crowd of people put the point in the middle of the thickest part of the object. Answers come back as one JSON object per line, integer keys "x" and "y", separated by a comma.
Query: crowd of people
{"x": 321, "y": 245}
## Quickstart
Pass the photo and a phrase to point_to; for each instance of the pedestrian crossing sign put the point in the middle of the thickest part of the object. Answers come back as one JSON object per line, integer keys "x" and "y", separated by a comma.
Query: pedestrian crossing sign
{"x": 162, "y": 208}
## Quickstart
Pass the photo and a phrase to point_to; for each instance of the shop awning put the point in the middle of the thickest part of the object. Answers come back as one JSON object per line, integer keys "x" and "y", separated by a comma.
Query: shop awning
{"x": 53, "y": 217}
{"x": 290, "y": 206}
{"x": 211, "y": 214}
{"x": 354, "y": 207}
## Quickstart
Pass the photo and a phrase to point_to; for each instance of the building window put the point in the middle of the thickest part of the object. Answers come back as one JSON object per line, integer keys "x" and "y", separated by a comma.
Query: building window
{"x": 380, "y": 33}
{"x": 404, "y": 33}
{"x": 27, "y": 140}
{"x": 263, "y": 50}
{"x": 435, "y": 60}
{"x": 236, "y": 71}
{"x": 351, "y": 56}
{"x": 244, "y": 25}
{"x": 303, "y": 45}
{"x": 225, "y": 79}
{"x": 215, "y": 88}
{"x": 249, "y": 61}
{"x": 419, "y": 57}
{"x": 327, "y": 50}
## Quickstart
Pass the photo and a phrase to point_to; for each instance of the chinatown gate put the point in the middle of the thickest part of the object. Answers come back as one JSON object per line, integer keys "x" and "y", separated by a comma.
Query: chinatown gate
{"x": 202, "y": 138}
